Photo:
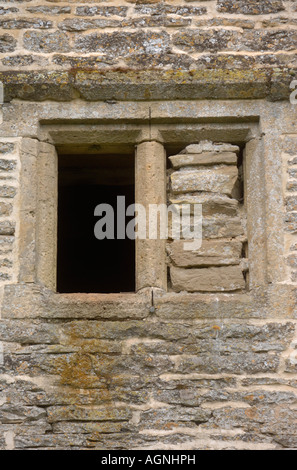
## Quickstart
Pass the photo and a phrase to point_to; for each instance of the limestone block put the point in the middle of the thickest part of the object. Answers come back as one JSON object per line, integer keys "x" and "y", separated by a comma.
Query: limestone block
{"x": 204, "y": 158}
{"x": 219, "y": 179}
{"x": 211, "y": 253}
{"x": 58, "y": 413}
{"x": 7, "y": 191}
{"x": 7, "y": 43}
{"x": 207, "y": 146}
{"x": 46, "y": 42}
{"x": 229, "y": 278}
{"x": 7, "y": 165}
{"x": 250, "y": 8}
{"x": 214, "y": 227}
{"x": 211, "y": 203}
{"x": 217, "y": 227}
{"x": 6, "y": 147}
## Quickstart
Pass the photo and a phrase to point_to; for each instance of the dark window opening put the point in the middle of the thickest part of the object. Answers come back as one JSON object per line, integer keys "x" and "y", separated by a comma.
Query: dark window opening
{"x": 84, "y": 263}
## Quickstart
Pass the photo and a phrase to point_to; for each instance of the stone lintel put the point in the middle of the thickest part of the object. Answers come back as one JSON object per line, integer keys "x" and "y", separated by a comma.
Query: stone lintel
{"x": 139, "y": 85}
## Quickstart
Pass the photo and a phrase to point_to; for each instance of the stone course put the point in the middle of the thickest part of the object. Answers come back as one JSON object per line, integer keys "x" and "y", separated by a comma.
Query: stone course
{"x": 125, "y": 29}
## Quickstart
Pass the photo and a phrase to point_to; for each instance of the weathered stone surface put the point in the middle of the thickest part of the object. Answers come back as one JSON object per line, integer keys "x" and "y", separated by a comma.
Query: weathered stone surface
{"x": 164, "y": 8}
{"x": 17, "y": 414}
{"x": 253, "y": 7}
{"x": 6, "y": 147}
{"x": 277, "y": 22}
{"x": 24, "y": 60}
{"x": 291, "y": 221}
{"x": 7, "y": 11}
{"x": 247, "y": 362}
{"x": 102, "y": 11}
{"x": 214, "y": 279}
{"x": 211, "y": 253}
{"x": 150, "y": 172}
{"x": 144, "y": 84}
{"x": 49, "y": 9}
{"x": 124, "y": 44}
{"x": 7, "y": 191}
{"x": 169, "y": 418}
{"x": 201, "y": 41}
{"x": 82, "y": 24}
{"x": 260, "y": 418}
{"x": 28, "y": 333}
{"x": 235, "y": 22}
{"x": 292, "y": 172}
{"x": 268, "y": 381}
{"x": 291, "y": 203}
{"x": 186, "y": 397}
{"x": 5, "y": 263}
{"x": 7, "y": 43}
{"x": 223, "y": 40}
{"x": 206, "y": 158}
{"x": 218, "y": 226}
{"x": 265, "y": 41}
{"x": 124, "y": 330}
{"x": 6, "y": 241}
{"x": 46, "y": 42}
{"x": 82, "y": 61}
{"x": 5, "y": 209}
{"x": 137, "y": 2}
{"x": 207, "y": 146}
{"x": 221, "y": 338}
{"x": 27, "y": 301}
{"x": 160, "y": 60}
{"x": 7, "y": 228}
{"x": 211, "y": 203}
{"x": 292, "y": 261}
{"x": 36, "y": 23}
{"x": 219, "y": 179}
{"x": 7, "y": 165}
{"x": 76, "y": 413}
{"x": 47, "y": 442}
{"x": 155, "y": 21}
{"x": 291, "y": 186}
{"x": 100, "y": 427}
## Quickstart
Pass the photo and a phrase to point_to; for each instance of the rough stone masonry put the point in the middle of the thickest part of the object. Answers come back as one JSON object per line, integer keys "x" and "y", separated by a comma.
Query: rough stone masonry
{"x": 210, "y": 361}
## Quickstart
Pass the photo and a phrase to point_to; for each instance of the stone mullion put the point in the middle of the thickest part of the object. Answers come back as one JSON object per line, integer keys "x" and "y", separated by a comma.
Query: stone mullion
{"x": 150, "y": 188}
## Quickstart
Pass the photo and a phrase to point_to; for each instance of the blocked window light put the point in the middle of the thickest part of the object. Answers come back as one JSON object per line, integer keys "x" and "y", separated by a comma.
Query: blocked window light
{"x": 211, "y": 175}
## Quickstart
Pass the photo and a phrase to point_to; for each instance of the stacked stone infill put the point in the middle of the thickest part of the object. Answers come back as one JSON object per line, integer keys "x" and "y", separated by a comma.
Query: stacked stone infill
{"x": 8, "y": 190}
{"x": 54, "y": 34}
{"x": 208, "y": 174}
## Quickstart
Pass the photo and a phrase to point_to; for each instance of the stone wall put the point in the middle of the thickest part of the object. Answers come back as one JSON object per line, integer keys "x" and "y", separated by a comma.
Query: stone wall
{"x": 189, "y": 368}
{"x": 180, "y": 34}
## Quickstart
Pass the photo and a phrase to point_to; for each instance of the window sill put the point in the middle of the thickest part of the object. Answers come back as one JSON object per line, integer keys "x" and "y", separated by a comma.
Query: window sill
{"x": 29, "y": 300}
